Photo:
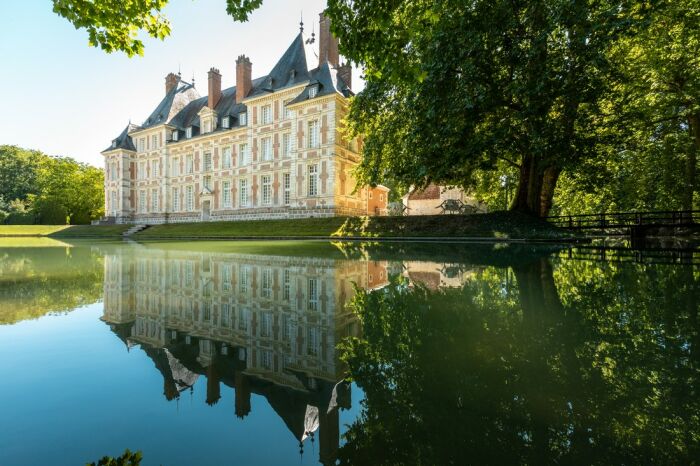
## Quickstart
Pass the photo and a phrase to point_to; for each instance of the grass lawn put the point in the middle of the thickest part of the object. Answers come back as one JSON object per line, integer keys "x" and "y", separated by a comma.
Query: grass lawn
{"x": 493, "y": 225}
{"x": 63, "y": 231}
{"x": 504, "y": 225}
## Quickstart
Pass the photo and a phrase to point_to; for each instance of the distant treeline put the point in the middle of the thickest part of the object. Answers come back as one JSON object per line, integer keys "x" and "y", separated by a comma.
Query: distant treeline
{"x": 38, "y": 188}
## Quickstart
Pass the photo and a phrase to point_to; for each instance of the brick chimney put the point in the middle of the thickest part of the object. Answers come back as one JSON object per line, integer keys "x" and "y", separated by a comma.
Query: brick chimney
{"x": 327, "y": 44}
{"x": 214, "y": 88}
{"x": 244, "y": 77}
{"x": 345, "y": 73}
{"x": 171, "y": 81}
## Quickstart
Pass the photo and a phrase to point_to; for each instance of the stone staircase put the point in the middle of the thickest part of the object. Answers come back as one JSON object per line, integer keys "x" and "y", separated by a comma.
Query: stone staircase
{"x": 134, "y": 229}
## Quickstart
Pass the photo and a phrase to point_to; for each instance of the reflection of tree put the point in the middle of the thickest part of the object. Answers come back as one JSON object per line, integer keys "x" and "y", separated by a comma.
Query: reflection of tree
{"x": 579, "y": 365}
{"x": 36, "y": 281}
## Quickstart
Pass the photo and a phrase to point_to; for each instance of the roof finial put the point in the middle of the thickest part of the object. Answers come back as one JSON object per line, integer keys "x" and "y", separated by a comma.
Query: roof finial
{"x": 301, "y": 23}
{"x": 192, "y": 78}
{"x": 179, "y": 73}
{"x": 312, "y": 39}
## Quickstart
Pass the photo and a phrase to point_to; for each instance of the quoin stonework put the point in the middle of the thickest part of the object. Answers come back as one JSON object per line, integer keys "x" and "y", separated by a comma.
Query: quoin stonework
{"x": 269, "y": 147}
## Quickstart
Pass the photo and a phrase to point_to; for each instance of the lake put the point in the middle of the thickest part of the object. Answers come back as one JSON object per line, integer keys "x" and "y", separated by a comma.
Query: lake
{"x": 276, "y": 353}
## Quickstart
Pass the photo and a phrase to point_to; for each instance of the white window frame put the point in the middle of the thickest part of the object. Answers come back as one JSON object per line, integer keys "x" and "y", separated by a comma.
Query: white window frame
{"x": 266, "y": 189}
{"x": 142, "y": 201}
{"x": 176, "y": 199}
{"x": 175, "y": 166}
{"x": 314, "y": 134}
{"x": 266, "y": 114}
{"x": 155, "y": 165}
{"x": 243, "y": 119}
{"x": 155, "y": 200}
{"x": 243, "y": 197}
{"x": 313, "y": 92}
{"x": 287, "y": 187}
{"x": 312, "y": 185}
{"x": 226, "y": 193}
{"x": 226, "y": 122}
{"x": 175, "y": 135}
{"x": 189, "y": 164}
{"x": 154, "y": 141}
{"x": 266, "y": 148}
{"x": 226, "y": 158}
{"x": 188, "y": 132}
{"x": 243, "y": 154}
{"x": 288, "y": 112}
{"x": 142, "y": 170}
{"x": 287, "y": 145}
{"x": 189, "y": 198}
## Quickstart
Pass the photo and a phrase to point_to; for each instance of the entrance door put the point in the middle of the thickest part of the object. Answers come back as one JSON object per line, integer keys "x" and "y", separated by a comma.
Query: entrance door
{"x": 206, "y": 210}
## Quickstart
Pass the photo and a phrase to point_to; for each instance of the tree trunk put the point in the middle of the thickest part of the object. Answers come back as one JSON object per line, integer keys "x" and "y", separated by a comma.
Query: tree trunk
{"x": 691, "y": 163}
{"x": 535, "y": 188}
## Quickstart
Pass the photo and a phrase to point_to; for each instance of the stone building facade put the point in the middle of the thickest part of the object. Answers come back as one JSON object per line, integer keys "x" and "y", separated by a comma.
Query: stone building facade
{"x": 269, "y": 147}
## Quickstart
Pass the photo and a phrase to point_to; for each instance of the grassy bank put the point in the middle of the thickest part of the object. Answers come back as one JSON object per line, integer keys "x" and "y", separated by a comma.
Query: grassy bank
{"x": 63, "y": 231}
{"x": 502, "y": 225}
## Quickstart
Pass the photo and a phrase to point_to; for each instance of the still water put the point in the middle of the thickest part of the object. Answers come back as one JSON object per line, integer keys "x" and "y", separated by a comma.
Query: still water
{"x": 215, "y": 353}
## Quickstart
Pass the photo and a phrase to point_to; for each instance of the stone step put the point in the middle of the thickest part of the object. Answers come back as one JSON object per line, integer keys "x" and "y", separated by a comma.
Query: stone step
{"x": 135, "y": 229}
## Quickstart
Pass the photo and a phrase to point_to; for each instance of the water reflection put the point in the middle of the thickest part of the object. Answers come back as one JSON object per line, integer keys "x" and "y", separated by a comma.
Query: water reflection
{"x": 267, "y": 325}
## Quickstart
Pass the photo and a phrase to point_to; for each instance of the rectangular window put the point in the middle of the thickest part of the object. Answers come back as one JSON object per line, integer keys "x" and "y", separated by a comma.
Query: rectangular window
{"x": 225, "y": 315}
{"x": 207, "y": 162}
{"x": 175, "y": 164}
{"x": 226, "y": 277}
{"x": 243, "y": 193}
{"x": 288, "y": 112}
{"x": 243, "y": 119}
{"x": 189, "y": 164}
{"x": 155, "y": 201}
{"x": 266, "y": 360}
{"x": 243, "y": 279}
{"x": 188, "y": 132}
{"x": 207, "y": 126}
{"x": 266, "y": 324}
{"x": 266, "y": 115}
{"x": 313, "y": 92}
{"x": 286, "y": 145}
{"x": 113, "y": 172}
{"x": 154, "y": 169}
{"x": 312, "y": 342}
{"x": 313, "y": 180}
{"x": 142, "y": 171}
{"x": 266, "y": 284}
{"x": 226, "y": 193}
{"x": 243, "y": 156}
{"x": 312, "y": 293}
{"x": 225, "y": 122}
{"x": 266, "y": 148}
{"x": 286, "y": 288}
{"x": 142, "y": 201}
{"x": 266, "y": 181}
{"x": 189, "y": 198}
{"x": 142, "y": 144}
{"x": 226, "y": 158}
{"x": 113, "y": 202}
{"x": 176, "y": 200}
{"x": 313, "y": 134}
{"x": 175, "y": 135}
{"x": 287, "y": 184}
{"x": 154, "y": 141}
{"x": 207, "y": 182}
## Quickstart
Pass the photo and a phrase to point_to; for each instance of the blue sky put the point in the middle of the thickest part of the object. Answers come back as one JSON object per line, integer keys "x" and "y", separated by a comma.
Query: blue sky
{"x": 65, "y": 98}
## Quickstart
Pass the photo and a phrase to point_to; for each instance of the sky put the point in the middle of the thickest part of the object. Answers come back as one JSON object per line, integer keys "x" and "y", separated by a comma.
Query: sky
{"x": 63, "y": 97}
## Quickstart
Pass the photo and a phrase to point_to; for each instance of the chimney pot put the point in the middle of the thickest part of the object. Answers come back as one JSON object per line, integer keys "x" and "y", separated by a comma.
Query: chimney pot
{"x": 327, "y": 43}
{"x": 244, "y": 78}
{"x": 171, "y": 81}
{"x": 214, "y": 88}
{"x": 345, "y": 73}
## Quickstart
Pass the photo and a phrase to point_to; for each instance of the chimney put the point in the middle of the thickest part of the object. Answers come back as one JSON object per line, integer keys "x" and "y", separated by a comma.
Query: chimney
{"x": 327, "y": 44}
{"x": 171, "y": 81}
{"x": 214, "y": 88}
{"x": 345, "y": 73}
{"x": 244, "y": 78}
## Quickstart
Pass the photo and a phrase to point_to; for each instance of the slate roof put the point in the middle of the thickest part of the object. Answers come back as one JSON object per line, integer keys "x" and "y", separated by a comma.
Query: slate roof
{"x": 299, "y": 64}
{"x": 123, "y": 141}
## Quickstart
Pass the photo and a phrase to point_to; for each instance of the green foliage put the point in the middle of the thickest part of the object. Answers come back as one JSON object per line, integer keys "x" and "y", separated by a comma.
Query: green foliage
{"x": 547, "y": 362}
{"x": 49, "y": 190}
{"x": 126, "y": 459}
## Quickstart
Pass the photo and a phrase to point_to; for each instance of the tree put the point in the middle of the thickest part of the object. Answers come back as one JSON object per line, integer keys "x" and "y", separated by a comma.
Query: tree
{"x": 18, "y": 172}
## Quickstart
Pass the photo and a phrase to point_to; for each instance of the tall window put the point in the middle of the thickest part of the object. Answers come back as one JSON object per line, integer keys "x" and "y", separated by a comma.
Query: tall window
{"x": 142, "y": 144}
{"x": 313, "y": 180}
{"x": 176, "y": 200}
{"x": 226, "y": 193}
{"x": 154, "y": 141}
{"x": 207, "y": 182}
{"x": 266, "y": 115}
{"x": 266, "y": 189}
{"x": 142, "y": 201}
{"x": 155, "y": 200}
{"x": 243, "y": 119}
{"x": 207, "y": 162}
{"x": 266, "y": 324}
{"x": 226, "y": 158}
{"x": 154, "y": 168}
{"x": 189, "y": 198}
{"x": 286, "y": 144}
{"x": 142, "y": 171}
{"x": 313, "y": 134}
{"x": 286, "y": 282}
{"x": 243, "y": 193}
{"x": 288, "y": 112}
{"x": 243, "y": 155}
{"x": 188, "y": 132}
{"x": 113, "y": 171}
{"x": 312, "y": 293}
{"x": 189, "y": 164}
{"x": 266, "y": 148}
{"x": 175, "y": 165}
{"x": 266, "y": 283}
{"x": 313, "y": 91}
{"x": 287, "y": 185}
{"x": 113, "y": 201}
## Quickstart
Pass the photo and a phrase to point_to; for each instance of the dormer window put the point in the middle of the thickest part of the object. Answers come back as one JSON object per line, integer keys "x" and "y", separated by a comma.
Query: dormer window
{"x": 225, "y": 122}
{"x": 175, "y": 135}
{"x": 114, "y": 144}
{"x": 313, "y": 91}
{"x": 243, "y": 119}
{"x": 188, "y": 132}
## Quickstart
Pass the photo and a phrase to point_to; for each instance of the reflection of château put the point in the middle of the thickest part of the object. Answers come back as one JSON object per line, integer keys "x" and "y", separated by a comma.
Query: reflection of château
{"x": 259, "y": 324}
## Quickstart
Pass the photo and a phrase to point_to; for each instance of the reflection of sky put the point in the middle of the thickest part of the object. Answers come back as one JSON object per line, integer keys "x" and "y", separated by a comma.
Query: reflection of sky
{"x": 72, "y": 393}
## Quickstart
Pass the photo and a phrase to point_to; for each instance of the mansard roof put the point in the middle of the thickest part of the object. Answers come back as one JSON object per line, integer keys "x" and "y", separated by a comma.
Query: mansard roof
{"x": 298, "y": 65}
